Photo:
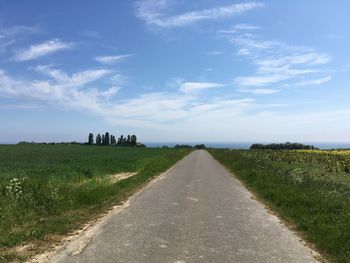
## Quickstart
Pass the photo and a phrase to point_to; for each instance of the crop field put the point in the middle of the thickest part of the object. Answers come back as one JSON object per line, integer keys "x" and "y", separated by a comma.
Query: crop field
{"x": 310, "y": 189}
{"x": 46, "y": 191}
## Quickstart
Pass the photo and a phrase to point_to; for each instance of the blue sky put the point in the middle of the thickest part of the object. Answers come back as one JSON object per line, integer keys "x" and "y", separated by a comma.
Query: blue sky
{"x": 175, "y": 70}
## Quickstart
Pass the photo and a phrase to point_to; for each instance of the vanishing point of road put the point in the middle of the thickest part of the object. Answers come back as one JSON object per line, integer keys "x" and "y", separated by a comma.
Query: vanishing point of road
{"x": 197, "y": 212}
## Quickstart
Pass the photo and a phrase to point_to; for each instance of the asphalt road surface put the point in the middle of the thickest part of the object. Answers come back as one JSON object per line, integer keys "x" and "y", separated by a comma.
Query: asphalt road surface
{"x": 198, "y": 212}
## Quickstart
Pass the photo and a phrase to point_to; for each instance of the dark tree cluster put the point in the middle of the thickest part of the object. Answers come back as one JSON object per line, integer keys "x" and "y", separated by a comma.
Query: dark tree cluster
{"x": 282, "y": 146}
{"x": 200, "y": 146}
{"x": 109, "y": 139}
{"x": 130, "y": 140}
{"x": 184, "y": 146}
{"x": 187, "y": 146}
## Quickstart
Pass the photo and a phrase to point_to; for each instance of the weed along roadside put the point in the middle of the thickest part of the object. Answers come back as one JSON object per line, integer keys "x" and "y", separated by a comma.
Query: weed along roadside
{"x": 47, "y": 191}
{"x": 307, "y": 188}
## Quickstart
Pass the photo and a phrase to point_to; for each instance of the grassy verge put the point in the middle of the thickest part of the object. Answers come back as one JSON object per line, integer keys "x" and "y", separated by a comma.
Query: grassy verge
{"x": 47, "y": 191}
{"x": 309, "y": 190}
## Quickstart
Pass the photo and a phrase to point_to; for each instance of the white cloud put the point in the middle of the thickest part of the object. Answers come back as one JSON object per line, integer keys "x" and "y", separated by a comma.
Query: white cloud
{"x": 188, "y": 87}
{"x": 246, "y": 27}
{"x": 243, "y": 52}
{"x": 252, "y": 42}
{"x": 118, "y": 79}
{"x": 271, "y": 76}
{"x": 315, "y": 82}
{"x": 259, "y": 81}
{"x": 112, "y": 91}
{"x": 227, "y": 31}
{"x": 152, "y": 12}
{"x": 108, "y": 60}
{"x": 276, "y": 61}
{"x": 17, "y": 30}
{"x": 308, "y": 58}
{"x": 237, "y": 29}
{"x": 265, "y": 91}
{"x": 61, "y": 90}
{"x": 259, "y": 91}
{"x": 42, "y": 49}
{"x": 10, "y": 35}
{"x": 76, "y": 79}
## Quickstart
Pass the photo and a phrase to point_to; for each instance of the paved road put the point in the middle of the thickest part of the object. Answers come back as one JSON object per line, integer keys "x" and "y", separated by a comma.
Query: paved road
{"x": 197, "y": 213}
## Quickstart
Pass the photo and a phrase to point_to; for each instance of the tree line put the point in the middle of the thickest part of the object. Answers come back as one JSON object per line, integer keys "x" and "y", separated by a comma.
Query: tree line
{"x": 282, "y": 146}
{"x": 187, "y": 146}
{"x": 109, "y": 139}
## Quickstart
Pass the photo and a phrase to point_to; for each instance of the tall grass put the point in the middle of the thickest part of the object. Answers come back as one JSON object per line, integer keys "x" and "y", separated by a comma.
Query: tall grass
{"x": 304, "y": 188}
{"x": 50, "y": 190}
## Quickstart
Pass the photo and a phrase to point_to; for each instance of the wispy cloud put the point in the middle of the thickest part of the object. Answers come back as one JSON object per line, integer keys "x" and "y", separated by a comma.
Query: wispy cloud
{"x": 227, "y": 31}
{"x": 9, "y": 35}
{"x": 153, "y": 13}
{"x": 16, "y": 30}
{"x": 61, "y": 89}
{"x": 315, "y": 82}
{"x": 277, "y": 62}
{"x": 309, "y": 58}
{"x": 188, "y": 87}
{"x": 42, "y": 49}
{"x": 265, "y": 91}
{"x": 246, "y": 27}
{"x": 155, "y": 109}
{"x": 259, "y": 81}
{"x": 108, "y": 60}
{"x": 239, "y": 28}
{"x": 76, "y": 79}
{"x": 260, "y": 91}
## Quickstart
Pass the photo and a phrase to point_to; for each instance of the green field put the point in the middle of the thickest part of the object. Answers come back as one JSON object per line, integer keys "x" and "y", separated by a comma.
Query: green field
{"x": 309, "y": 189}
{"x": 48, "y": 190}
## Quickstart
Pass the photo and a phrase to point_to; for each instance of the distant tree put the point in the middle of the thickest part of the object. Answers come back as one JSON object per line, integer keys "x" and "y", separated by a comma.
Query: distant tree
{"x": 200, "y": 146}
{"x": 91, "y": 139}
{"x": 133, "y": 140}
{"x": 121, "y": 140}
{"x": 107, "y": 139}
{"x": 98, "y": 139}
{"x": 129, "y": 140}
{"x": 103, "y": 140}
{"x": 113, "y": 141}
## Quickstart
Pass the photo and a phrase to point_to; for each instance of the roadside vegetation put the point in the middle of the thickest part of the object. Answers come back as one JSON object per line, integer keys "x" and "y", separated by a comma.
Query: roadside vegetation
{"x": 308, "y": 188}
{"x": 46, "y": 191}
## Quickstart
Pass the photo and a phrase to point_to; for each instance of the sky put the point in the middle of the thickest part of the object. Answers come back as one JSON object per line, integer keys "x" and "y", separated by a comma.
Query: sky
{"x": 175, "y": 70}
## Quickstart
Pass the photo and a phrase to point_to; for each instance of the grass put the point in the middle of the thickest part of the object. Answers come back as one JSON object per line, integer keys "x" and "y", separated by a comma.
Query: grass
{"x": 50, "y": 190}
{"x": 309, "y": 189}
